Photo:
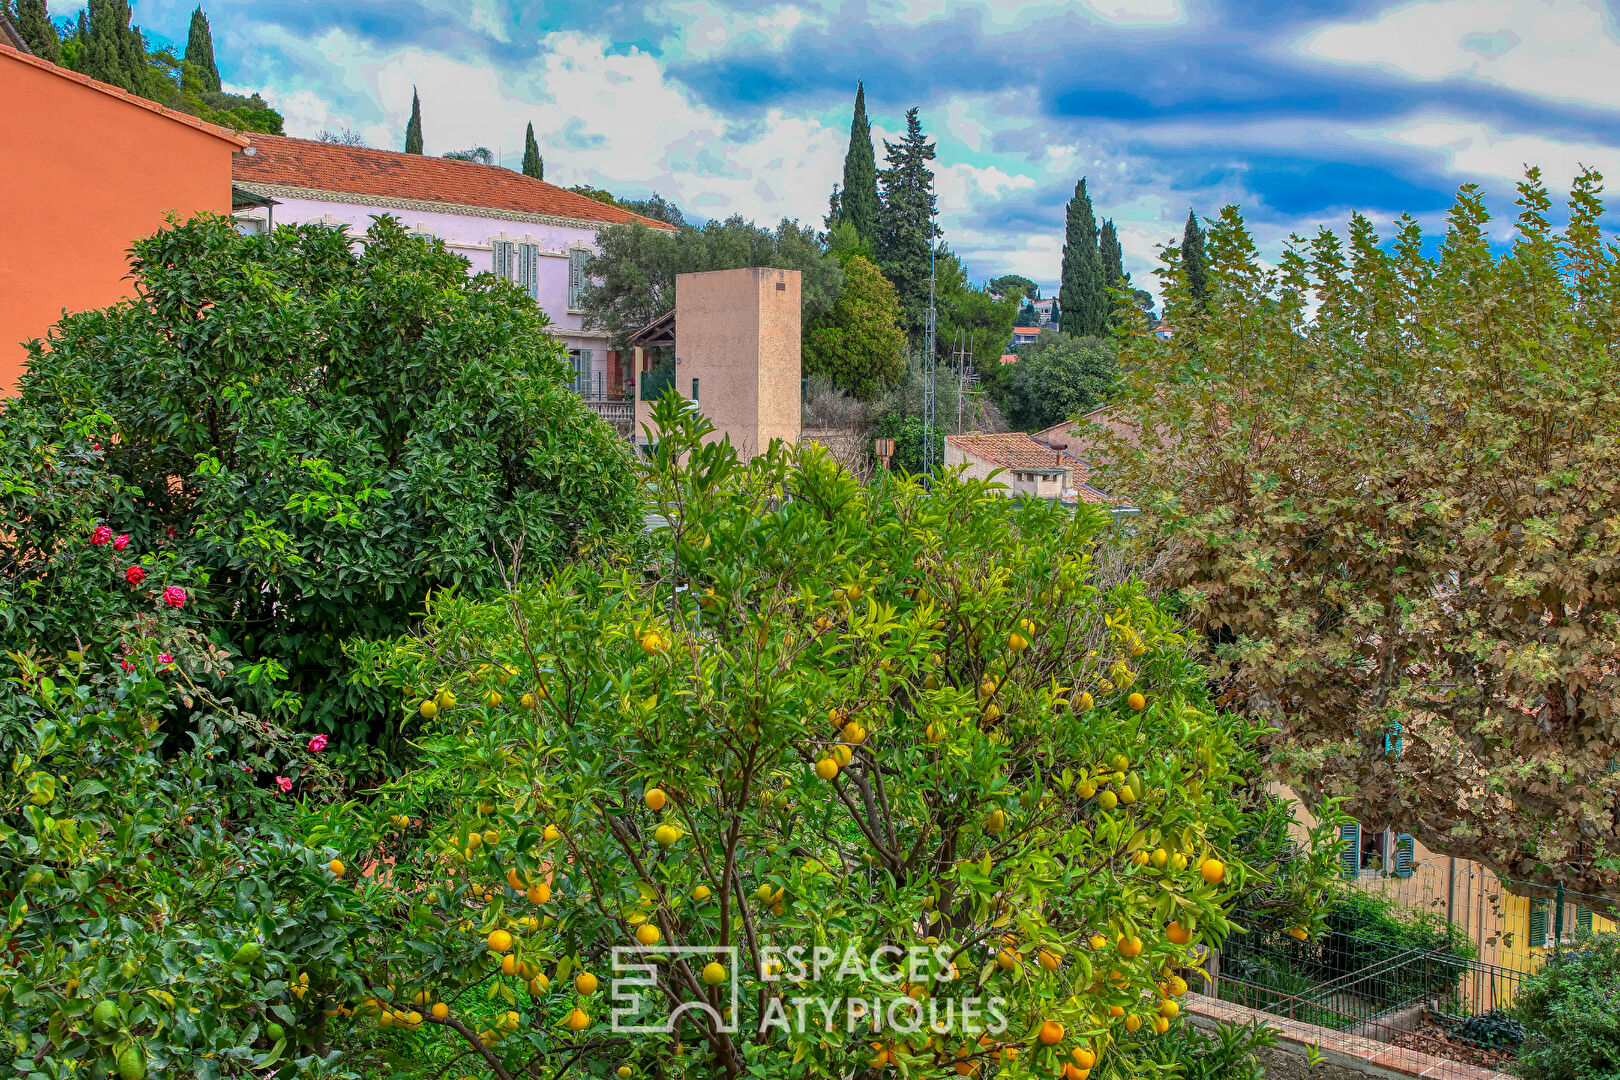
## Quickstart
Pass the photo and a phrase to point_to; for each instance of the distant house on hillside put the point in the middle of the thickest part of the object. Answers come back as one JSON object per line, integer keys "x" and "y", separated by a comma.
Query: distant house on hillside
{"x": 1026, "y": 466}
{"x": 1043, "y": 310}
{"x": 531, "y": 232}
{"x": 1023, "y": 335}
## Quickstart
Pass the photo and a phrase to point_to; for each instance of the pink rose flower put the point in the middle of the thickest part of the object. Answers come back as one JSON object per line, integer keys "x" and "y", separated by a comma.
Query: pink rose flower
{"x": 101, "y": 535}
{"x": 165, "y": 658}
{"x": 317, "y": 744}
{"x": 284, "y": 784}
{"x": 135, "y": 575}
{"x": 174, "y": 596}
{"x": 121, "y": 541}
{"x": 126, "y": 665}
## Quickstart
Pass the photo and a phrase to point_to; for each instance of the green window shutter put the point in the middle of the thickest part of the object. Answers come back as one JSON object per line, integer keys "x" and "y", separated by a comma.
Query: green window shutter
{"x": 1583, "y": 920}
{"x": 1405, "y": 855}
{"x": 1350, "y": 852}
{"x": 1538, "y": 924}
{"x": 577, "y": 258}
{"x": 529, "y": 269}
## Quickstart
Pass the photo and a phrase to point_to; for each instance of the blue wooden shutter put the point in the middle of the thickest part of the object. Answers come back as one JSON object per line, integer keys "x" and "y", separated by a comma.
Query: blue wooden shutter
{"x": 1392, "y": 740}
{"x": 1350, "y": 853}
{"x": 1405, "y": 853}
{"x": 577, "y": 258}
{"x": 503, "y": 259}
{"x": 1538, "y": 924}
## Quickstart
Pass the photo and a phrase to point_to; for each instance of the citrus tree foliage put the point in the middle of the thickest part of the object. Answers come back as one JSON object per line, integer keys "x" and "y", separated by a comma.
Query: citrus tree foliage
{"x": 162, "y": 915}
{"x": 1389, "y": 486}
{"x": 317, "y": 432}
{"x": 832, "y": 716}
{"x": 859, "y": 344}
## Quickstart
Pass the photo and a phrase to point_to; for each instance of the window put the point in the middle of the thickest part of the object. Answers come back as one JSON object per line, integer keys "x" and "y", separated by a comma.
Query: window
{"x": 528, "y": 269}
{"x": 694, "y": 389}
{"x": 580, "y": 359}
{"x": 1368, "y": 850}
{"x": 577, "y": 258}
{"x": 1537, "y": 934}
{"x": 502, "y": 264}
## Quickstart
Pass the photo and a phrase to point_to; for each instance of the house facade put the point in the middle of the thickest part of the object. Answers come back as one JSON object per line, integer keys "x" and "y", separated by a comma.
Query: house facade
{"x": 93, "y": 168}
{"x": 526, "y": 230}
{"x": 1023, "y": 465}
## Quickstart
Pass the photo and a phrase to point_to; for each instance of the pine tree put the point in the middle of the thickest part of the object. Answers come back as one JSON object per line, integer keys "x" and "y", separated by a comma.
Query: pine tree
{"x": 906, "y": 229}
{"x": 1084, "y": 292}
{"x": 34, "y": 26}
{"x": 413, "y": 128}
{"x": 1194, "y": 263}
{"x": 1113, "y": 258}
{"x": 533, "y": 164}
{"x": 198, "y": 71}
{"x": 858, "y": 204}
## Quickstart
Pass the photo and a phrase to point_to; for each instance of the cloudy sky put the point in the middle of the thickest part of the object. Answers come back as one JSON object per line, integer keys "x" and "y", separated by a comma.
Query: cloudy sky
{"x": 1299, "y": 111}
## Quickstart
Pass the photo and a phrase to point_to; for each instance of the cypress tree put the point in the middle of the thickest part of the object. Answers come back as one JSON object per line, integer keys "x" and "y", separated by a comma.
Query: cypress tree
{"x": 1084, "y": 292}
{"x": 858, "y": 203}
{"x": 198, "y": 63}
{"x": 34, "y": 26}
{"x": 413, "y": 128}
{"x": 906, "y": 229}
{"x": 1113, "y": 258}
{"x": 1194, "y": 263}
{"x": 533, "y": 164}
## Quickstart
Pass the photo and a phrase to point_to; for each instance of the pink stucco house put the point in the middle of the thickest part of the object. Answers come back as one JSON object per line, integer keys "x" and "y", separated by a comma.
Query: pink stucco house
{"x": 535, "y": 233}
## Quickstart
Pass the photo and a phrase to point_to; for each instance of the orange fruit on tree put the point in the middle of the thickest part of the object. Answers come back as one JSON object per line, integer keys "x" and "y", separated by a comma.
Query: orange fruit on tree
{"x": 1133, "y": 1023}
{"x": 1177, "y": 934}
{"x": 1051, "y": 1032}
{"x": 827, "y": 768}
{"x": 1084, "y": 1056}
{"x": 648, "y": 934}
{"x": 500, "y": 941}
{"x": 539, "y": 893}
{"x": 1212, "y": 871}
{"x": 1131, "y": 946}
{"x": 1137, "y": 702}
{"x": 577, "y": 1020}
{"x": 336, "y": 866}
{"x": 585, "y": 983}
{"x": 655, "y": 799}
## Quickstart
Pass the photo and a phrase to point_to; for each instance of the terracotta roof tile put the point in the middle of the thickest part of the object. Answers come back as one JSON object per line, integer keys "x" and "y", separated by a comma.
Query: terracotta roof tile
{"x": 359, "y": 170}
{"x": 119, "y": 92}
{"x": 1013, "y": 450}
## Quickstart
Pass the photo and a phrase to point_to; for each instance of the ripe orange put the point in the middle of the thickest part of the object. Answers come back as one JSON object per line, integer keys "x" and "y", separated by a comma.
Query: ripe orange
{"x": 655, "y": 799}
{"x": 648, "y": 934}
{"x": 1212, "y": 871}
{"x": 1051, "y": 1032}
{"x": 336, "y": 866}
{"x": 577, "y": 1020}
{"x": 827, "y": 768}
{"x": 585, "y": 983}
{"x": 500, "y": 941}
{"x": 440, "y": 1010}
{"x": 1131, "y": 946}
{"x": 1084, "y": 1057}
{"x": 1177, "y": 934}
{"x": 1136, "y": 702}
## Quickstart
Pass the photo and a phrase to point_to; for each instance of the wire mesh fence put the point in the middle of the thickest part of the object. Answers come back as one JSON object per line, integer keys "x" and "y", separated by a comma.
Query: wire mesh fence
{"x": 1445, "y": 990}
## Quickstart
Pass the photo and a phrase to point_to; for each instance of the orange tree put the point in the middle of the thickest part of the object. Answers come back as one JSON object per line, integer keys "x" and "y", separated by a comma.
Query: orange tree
{"x": 1385, "y": 485}
{"x": 826, "y": 716}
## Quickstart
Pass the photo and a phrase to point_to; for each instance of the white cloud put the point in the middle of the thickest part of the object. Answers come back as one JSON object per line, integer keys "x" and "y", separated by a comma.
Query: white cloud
{"x": 703, "y": 30}
{"x": 1139, "y": 12}
{"x": 1476, "y": 150}
{"x": 1564, "y": 50}
{"x": 604, "y": 117}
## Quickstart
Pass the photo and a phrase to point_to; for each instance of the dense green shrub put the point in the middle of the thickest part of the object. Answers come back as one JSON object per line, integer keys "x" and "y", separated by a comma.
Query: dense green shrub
{"x": 1055, "y": 378}
{"x": 163, "y": 912}
{"x": 1570, "y": 1009}
{"x": 316, "y": 433}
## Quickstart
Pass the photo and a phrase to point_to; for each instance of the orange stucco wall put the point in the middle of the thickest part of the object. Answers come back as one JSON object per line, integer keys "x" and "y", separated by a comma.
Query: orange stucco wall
{"x": 82, "y": 174}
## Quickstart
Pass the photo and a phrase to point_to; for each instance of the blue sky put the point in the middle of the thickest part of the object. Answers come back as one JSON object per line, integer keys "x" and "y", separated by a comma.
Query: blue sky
{"x": 1299, "y": 112}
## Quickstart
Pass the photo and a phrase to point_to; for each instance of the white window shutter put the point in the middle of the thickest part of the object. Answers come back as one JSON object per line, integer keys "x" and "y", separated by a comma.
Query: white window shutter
{"x": 503, "y": 259}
